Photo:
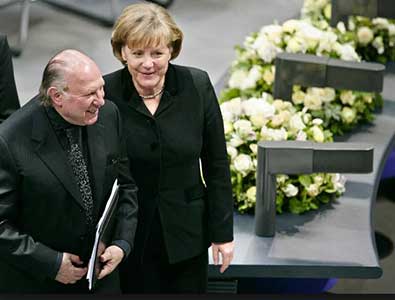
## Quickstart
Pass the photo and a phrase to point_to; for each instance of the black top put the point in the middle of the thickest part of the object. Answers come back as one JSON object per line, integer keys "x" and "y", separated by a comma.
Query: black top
{"x": 164, "y": 150}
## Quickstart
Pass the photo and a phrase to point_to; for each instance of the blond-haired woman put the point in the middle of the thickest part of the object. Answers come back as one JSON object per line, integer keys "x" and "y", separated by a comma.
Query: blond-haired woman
{"x": 171, "y": 122}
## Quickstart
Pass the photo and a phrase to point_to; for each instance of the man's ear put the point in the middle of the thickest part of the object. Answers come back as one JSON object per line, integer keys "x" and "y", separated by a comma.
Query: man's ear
{"x": 55, "y": 95}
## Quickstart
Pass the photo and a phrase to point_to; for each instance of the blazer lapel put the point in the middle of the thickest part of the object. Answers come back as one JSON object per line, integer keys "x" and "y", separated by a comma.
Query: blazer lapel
{"x": 97, "y": 153}
{"x": 165, "y": 102}
{"x": 52, "y": 154}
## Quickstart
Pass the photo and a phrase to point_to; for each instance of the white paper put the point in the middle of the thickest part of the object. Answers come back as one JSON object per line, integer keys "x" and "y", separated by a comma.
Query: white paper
{"x": 91, "y": 265}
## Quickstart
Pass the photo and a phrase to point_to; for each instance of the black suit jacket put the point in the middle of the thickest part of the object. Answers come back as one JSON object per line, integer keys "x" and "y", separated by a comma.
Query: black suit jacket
{"x": 164, "y": 151}
{"x": 8, "y": 95}
{"x": 41, "y": 210}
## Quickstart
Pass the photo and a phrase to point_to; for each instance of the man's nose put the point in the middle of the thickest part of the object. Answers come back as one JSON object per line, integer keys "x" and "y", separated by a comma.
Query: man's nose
{"x": 99, "y": 99}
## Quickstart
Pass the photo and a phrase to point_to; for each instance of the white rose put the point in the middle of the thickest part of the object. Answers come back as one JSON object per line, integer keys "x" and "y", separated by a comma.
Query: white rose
{"x": 326, "y": 94}
{"x": 228, "y": 127}
{"x": 364, "y": 35}
{"x": 270, "y": 134}
{"x": 243, "y": 164}
{"x": 351, "y": 24}
{"x": 253, "y": 76}
{"x": 277, "y": 120}
{"x": 298, "y": 97}
{"x": 368, "y": 98}
{"x": 273, "y": 33}
{"x": 254, "y": 148}
{"x": 379, "y": 44}
{"x": 328, "y": 11}
{"x": 296, "y": 45}
{"x": 281, "y": 105}
{"x": 318, "y": 179}
{"x": 254, "y": 106}
{"x": 301, "y": 136}
{"x": 306, "y": 118}
{"x": 317, "y": 121}
{"x": 313, "y": 190}
{"x": 267, "y": 97}
{"x": 232, "y": 151}
{"x": 341, "y": 27}
{"x": 348, "y": 114}
{"x": 251, "y": 193}
{"x": 327, "y": 42}
{"x": 237, "y": 78}
{"x": 244, "y": 129}
{"x": 312, "y": 102}
{"x": 290, "y": 190}
{"x": 339, "y": 182}
{"x": 281, "y": 178}
{"x": 258, "y": 120}
{"x": 391, "y": 29}
{"x": 318, "y": 134}
{"x": 265, "y": 49}
{"x": 236, "y": 141}
{"x": 268, "y": 75}
{"x": 296, "y": 123}
{"x": 232, "y": 107}
{"x": 346, "y": 52}
{"x": 291, "y": 26}
{"x": 310, "y": 34}
{"x": 380, "y": 23}
{"x": 347, "y": 97}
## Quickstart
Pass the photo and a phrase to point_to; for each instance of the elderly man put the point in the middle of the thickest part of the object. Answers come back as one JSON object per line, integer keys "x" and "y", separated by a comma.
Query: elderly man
{"x": 60, "y": 155}
{"x": 8, "y": 95}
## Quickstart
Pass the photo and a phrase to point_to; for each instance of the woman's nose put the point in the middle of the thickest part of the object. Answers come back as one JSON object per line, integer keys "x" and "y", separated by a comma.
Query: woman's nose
{"x": 148, "y": 62}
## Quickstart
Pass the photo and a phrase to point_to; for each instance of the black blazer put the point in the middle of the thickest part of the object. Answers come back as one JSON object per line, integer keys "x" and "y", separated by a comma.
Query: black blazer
{"x": 41, "y": 212}
{"x": 164, "y": 151}
{"x": 8, "y": 95}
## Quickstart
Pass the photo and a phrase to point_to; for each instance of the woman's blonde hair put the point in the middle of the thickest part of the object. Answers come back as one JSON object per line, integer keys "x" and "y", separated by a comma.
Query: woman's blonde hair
{"x": 145, "y": 25}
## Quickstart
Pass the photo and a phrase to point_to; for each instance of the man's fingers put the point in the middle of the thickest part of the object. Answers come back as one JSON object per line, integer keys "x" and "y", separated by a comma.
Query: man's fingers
{"x": 226, "y": 259}
{"x": 79, "y": 272}
{"x": 104, "y": 272}
{"x": 76, "y": 259}
{"x": 105, "y": 256}
{"x": 215, "y": 254}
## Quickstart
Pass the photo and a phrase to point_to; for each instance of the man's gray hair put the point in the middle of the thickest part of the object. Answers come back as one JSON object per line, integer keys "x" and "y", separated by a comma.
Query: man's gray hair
{"x": 53, "y": 75}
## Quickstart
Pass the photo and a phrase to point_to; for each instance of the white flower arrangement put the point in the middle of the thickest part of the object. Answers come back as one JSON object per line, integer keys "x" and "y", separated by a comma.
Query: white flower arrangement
{"x": 373, "y": 39}
{"x": 251, "y": 114}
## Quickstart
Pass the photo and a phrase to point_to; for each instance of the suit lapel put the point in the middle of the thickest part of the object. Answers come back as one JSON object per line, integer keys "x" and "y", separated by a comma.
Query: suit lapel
{"x": 52, "y": 154}
{"x": 97, "y": 153}
{"x": 165, "y": 102}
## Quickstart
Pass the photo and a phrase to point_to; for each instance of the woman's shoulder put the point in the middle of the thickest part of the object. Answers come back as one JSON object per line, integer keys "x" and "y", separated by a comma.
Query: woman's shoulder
{"x": 199, "y": 76}
{"x": 113, "y": 76}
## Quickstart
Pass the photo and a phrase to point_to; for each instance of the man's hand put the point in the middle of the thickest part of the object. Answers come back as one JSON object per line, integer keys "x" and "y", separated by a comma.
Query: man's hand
{"x": 111, "y": 258}
{"x": 69, "y": 272}
{"x": 226, "y": 250}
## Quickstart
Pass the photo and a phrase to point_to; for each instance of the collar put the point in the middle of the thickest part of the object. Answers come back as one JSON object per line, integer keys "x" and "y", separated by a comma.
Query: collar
{"x": 57, "y": 120}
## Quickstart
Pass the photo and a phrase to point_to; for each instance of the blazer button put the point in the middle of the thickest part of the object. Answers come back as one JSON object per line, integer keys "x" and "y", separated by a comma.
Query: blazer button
{"x": 82, "y": 237}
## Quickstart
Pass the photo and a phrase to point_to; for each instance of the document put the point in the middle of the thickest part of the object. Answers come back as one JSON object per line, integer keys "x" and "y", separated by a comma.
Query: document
{"x": 103, "y": 229}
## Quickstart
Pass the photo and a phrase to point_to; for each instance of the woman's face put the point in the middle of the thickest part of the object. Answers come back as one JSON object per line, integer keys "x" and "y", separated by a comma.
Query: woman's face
{"x": 148, "y": 67}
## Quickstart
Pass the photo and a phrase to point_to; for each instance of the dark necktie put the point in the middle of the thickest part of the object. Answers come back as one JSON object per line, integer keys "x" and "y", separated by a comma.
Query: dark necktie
{"x": 80, "y": 171}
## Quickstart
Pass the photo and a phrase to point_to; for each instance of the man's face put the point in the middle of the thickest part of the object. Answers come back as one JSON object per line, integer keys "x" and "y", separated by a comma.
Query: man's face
{"x": 81, "y": 102}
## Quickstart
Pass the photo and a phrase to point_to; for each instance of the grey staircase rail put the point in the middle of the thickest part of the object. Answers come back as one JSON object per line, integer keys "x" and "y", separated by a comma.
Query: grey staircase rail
{"x": 23, "y": 23}
{"x": 301, "y": 157}
{"x": 311, "y": 70}
{"x": 342, "y": 9}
